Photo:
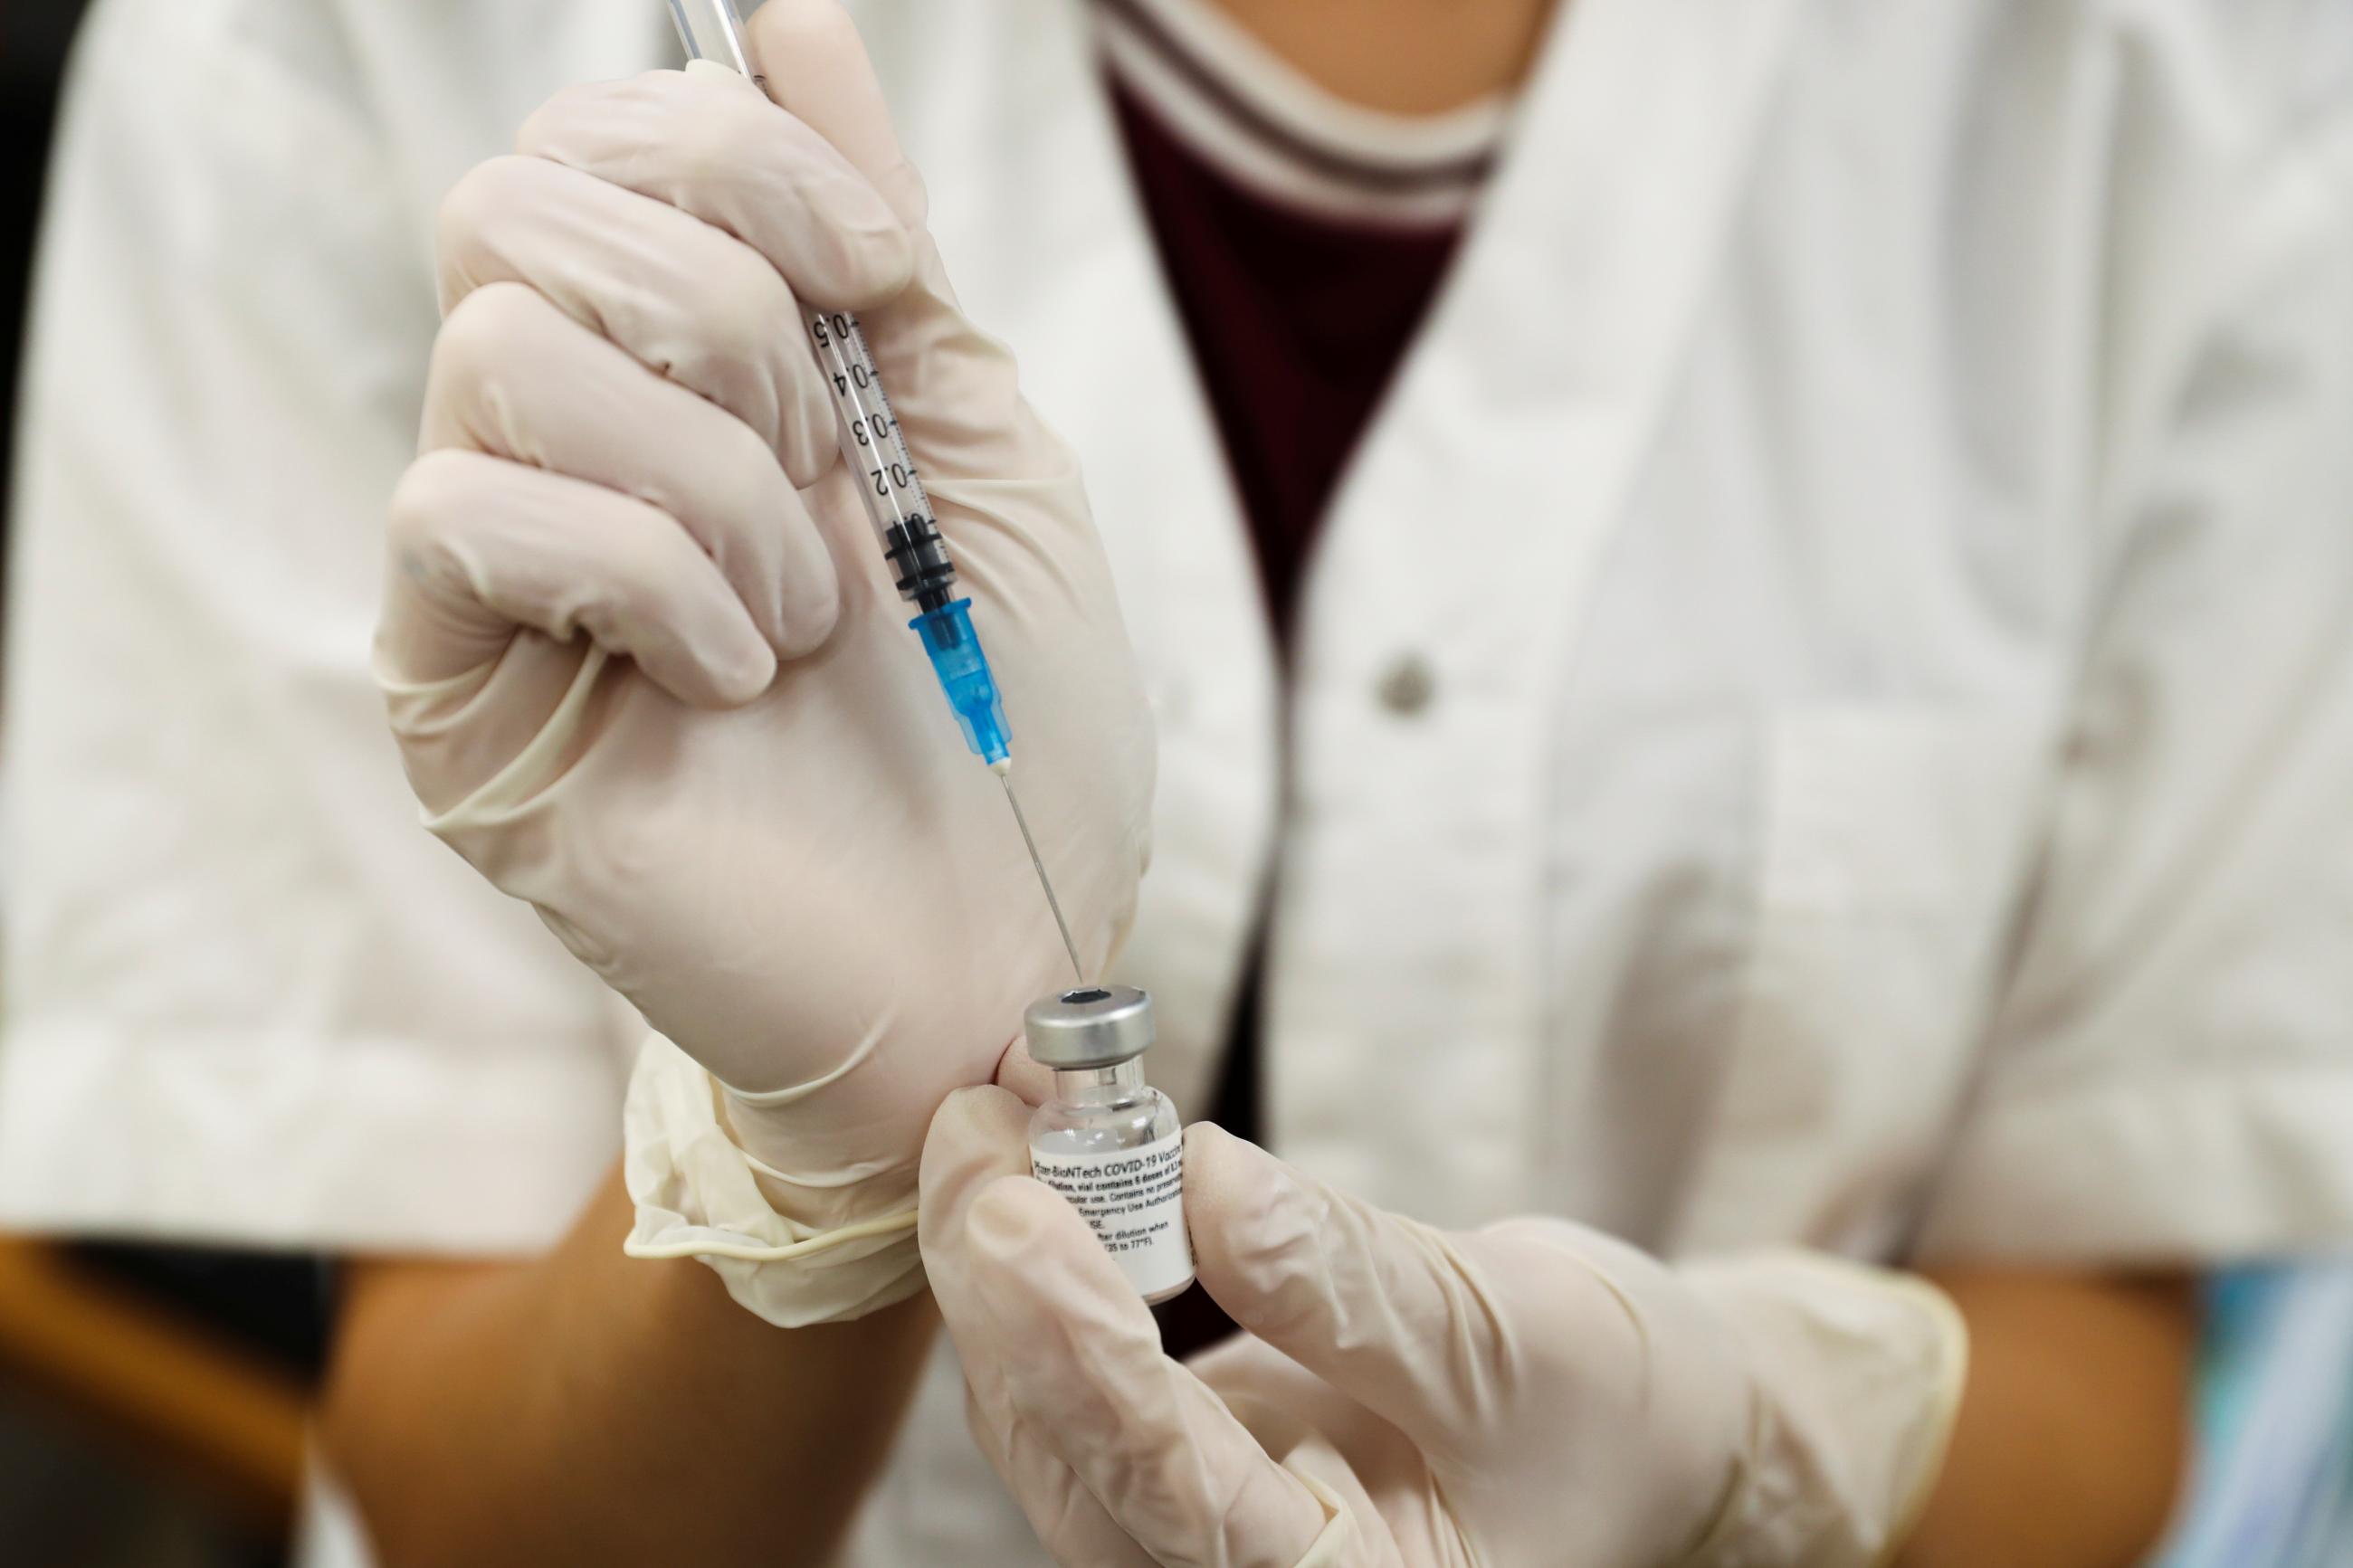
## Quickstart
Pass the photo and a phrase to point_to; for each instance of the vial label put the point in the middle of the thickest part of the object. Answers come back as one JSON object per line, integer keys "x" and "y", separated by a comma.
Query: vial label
{"x": 1134, "y": 1200}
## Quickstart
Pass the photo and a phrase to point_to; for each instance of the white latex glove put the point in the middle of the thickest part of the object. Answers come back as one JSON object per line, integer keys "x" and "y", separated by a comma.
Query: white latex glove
{"x": 1532, "y": 1392}
{"x": 640, "y": 649}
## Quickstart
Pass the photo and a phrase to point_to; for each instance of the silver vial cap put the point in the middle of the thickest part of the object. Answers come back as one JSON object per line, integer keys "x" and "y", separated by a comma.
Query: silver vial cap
{"x": 1094, "y": 1026}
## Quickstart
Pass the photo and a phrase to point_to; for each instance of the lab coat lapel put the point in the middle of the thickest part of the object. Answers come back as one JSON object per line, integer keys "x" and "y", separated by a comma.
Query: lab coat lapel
{"x": 1005, "y": 112}
{"x": 1406, "y": 1022}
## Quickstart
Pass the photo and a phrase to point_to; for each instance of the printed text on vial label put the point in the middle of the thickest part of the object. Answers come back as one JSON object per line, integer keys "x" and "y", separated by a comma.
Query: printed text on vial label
{"x": 1134, "y": 1203}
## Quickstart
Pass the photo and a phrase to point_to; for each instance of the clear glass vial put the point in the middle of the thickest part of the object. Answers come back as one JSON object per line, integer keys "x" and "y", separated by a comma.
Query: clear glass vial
{"x": 1107, "y": 1141}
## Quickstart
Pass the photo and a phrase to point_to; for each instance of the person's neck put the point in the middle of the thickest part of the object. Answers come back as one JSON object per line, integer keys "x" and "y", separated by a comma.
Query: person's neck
{"x": 1401, "y": 57}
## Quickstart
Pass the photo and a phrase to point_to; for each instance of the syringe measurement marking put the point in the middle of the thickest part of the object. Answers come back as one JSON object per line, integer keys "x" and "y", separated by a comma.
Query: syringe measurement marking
{"x": 877, "y": 430}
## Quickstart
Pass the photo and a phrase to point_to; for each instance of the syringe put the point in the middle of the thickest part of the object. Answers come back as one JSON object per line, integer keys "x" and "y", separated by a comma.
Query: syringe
{"x": 875, "y": 448}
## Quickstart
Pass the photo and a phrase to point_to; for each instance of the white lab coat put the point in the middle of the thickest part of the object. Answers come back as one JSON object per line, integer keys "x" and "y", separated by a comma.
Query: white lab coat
{"x": 1823, "y": 711}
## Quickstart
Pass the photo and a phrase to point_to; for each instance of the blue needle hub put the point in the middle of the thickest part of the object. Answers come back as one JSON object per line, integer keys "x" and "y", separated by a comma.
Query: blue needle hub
{"x": 954, "y": 651}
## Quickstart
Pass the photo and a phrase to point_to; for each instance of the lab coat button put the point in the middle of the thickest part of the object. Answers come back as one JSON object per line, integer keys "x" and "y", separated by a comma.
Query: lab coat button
{"x": 1407, "y": 686}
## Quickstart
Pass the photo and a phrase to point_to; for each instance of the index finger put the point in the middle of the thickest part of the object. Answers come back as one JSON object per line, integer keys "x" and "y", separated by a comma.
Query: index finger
{"x": 977, "y": 1138}
{"x": 1082, "y": 1370}
{"x": 705, "y": 141}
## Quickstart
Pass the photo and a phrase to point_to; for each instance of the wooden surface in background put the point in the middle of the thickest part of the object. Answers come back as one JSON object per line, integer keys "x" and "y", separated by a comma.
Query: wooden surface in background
{"x": 178, "y": 1392}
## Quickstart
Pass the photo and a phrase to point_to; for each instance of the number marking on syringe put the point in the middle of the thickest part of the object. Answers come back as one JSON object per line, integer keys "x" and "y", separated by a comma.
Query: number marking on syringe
{"x": 874, "y": 440}
{"x": 874, "y": 444}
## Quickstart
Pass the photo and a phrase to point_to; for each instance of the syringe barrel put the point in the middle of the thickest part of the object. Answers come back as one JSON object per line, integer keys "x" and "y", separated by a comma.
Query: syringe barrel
{"x": 879, "y": 465}
{"x": 875, "y": 449}
{"x": 872, "y": 442}
{"x": 713, "y": 30}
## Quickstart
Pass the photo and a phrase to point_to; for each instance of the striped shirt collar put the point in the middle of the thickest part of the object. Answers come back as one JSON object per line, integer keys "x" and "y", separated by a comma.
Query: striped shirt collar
{"x": 1257, "y": 119}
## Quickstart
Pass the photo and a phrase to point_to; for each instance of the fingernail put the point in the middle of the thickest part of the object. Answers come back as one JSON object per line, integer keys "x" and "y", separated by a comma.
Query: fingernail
{"x": 806, "y": 616}
{"x": 745, "y": 677}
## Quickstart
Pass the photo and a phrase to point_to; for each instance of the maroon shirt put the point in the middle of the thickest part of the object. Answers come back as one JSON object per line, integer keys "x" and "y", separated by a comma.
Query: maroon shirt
{"x": 1297, "y": 323}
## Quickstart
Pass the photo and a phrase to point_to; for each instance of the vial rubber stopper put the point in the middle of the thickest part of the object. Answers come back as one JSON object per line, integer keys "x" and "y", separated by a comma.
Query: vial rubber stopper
{"x": 1091, "y": 1027}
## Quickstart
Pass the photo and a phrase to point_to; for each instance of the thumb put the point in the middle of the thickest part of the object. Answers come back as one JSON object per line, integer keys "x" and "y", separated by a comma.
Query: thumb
{"x": 955, "y": 390}
{"x": 1388, "y": 1310}
{"x": 815, "y": 65}
{"x": 976, "y": 1136}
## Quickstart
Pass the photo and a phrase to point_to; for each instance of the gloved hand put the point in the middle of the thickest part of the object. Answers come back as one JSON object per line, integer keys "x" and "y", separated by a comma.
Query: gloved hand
{"x": 1531, "y": 1393}
{"x": 641, "y": 652}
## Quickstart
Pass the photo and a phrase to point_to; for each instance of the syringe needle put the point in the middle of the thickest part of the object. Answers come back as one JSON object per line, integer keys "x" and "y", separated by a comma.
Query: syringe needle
{"x": 1004, "y": 777}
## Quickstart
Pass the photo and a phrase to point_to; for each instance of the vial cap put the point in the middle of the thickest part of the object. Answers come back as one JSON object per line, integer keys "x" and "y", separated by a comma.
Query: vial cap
{"x": 1093, "y": 1027}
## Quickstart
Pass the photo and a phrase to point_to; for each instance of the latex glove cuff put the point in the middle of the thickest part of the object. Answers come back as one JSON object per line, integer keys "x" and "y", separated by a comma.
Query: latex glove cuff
{"x": 1860, "y": 1375}
{"x": 698, "y": 1195}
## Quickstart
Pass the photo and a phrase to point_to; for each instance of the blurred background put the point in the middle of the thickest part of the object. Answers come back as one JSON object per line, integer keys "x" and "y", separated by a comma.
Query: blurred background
{"x": 151, "y": 1399}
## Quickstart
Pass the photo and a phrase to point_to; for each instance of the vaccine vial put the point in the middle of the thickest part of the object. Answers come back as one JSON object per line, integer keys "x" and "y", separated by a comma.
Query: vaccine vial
{"x": 1107, "y": 1141}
